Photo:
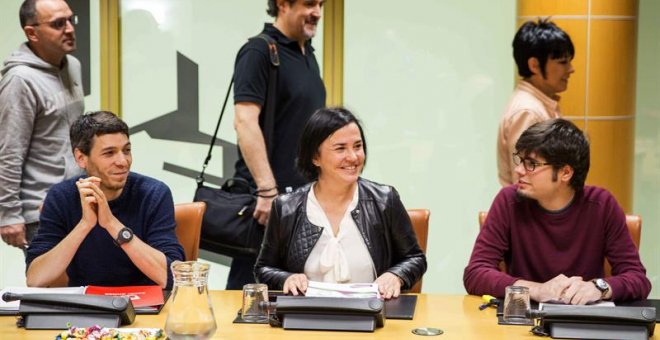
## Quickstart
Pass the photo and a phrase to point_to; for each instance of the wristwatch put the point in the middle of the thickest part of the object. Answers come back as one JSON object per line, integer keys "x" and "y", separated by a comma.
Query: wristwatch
{"x": 601, "y": 285}
{"x": 124, "y": 236}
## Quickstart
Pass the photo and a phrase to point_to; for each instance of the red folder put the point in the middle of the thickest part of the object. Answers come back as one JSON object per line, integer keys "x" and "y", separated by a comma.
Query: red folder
{"x": 141, "y": 296}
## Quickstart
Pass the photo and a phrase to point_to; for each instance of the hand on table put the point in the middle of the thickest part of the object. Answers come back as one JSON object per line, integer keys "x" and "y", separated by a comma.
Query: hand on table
{"x": 296, "y": 284}
{"x": 389, "y": 285}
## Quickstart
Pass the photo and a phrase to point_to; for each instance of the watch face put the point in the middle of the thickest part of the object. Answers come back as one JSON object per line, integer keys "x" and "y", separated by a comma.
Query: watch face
{"x": 602, "y": 285}
{"x": 125, "y": 235}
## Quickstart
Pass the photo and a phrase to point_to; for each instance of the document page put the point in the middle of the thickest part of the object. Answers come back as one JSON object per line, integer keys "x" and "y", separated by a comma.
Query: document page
{"x": 552, "y": 305}
{"x": 345, "y": 290}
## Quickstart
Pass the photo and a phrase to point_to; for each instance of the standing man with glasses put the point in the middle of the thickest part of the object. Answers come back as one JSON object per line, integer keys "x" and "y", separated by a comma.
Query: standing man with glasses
{"x": 40, "y": 96}
{"x": 543, "y": 53}
{"x": 552, "y": 231}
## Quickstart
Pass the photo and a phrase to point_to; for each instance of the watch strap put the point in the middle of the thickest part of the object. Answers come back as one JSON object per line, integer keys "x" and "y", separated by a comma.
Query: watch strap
{"x": 602, "y": 286}
{"x": 125, "y": 235}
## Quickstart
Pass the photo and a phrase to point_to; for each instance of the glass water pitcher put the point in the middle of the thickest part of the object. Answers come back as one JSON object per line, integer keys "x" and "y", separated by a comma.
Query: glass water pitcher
{"x": 190, "y": 312}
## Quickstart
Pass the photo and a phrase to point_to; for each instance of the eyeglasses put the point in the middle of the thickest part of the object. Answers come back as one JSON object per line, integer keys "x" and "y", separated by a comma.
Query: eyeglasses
{"x": 528, "y": 163}
{"x": 60, "y": 23}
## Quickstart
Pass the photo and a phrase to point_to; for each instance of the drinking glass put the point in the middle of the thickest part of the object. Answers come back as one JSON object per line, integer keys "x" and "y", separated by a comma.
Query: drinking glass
{"x": 255, "y": 301}
{"x": 516, "y": 305}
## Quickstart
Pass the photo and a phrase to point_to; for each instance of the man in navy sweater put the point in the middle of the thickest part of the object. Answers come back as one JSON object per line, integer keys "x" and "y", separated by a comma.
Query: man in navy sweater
{"x": 552, "y": 231}
{"x": 111, "y": 227}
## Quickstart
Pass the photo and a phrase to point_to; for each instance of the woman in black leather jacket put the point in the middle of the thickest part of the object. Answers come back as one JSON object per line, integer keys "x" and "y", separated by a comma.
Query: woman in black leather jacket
{"x": 340, "y": 228}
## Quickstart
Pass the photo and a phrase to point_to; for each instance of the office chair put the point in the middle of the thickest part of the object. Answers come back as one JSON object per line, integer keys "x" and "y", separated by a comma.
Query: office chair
{"x": 420, "y": 223}
{"x": 188, "y": 217}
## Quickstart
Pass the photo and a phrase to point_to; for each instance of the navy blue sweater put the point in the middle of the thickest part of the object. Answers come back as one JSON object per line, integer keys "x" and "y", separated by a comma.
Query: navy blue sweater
{"x": 145, "y": 205}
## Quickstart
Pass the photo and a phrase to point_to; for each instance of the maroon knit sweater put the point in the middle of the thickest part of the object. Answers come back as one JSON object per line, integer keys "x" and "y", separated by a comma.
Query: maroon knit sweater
{"x": 538, "y": 245}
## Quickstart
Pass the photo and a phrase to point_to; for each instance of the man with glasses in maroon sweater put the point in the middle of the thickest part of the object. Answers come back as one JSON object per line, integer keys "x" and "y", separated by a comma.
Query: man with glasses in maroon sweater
{"x": 552, "y": 231}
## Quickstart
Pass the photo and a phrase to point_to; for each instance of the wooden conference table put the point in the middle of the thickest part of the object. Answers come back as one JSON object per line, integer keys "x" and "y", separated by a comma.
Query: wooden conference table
{"x": 457, "y": 315}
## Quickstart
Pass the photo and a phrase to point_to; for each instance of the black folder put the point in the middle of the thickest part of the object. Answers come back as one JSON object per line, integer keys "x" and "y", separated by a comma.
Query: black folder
{"x": 402, "y": 307}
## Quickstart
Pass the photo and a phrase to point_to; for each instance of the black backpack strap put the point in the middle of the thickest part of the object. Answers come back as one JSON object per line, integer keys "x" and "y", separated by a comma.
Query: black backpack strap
{"x": 269, "y": 119}
{"x": 200, "y": 177}
{"x": 272, "y": 49}
{"x": 271, "y": 93}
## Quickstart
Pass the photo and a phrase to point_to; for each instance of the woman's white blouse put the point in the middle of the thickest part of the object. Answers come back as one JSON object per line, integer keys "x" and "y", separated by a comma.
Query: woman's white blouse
{"x": 341, "y": 259}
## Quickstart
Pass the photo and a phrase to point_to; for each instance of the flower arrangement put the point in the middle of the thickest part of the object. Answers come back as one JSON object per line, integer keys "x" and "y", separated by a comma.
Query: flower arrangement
{"x": 99, "y": 333}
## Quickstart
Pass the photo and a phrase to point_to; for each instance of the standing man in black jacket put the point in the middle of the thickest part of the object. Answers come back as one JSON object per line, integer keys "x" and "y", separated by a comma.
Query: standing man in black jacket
{"x": 299, "y": 92}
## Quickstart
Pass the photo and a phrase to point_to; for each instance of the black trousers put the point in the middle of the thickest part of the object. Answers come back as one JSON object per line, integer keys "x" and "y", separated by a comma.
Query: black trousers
{"x": 241, "y": 272}
{"x": 31, "y": 230}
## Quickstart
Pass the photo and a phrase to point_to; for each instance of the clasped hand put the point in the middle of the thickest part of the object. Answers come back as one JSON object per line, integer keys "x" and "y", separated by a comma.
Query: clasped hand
{"x": 95, "y": 208}
{"x": 570, "y": 290}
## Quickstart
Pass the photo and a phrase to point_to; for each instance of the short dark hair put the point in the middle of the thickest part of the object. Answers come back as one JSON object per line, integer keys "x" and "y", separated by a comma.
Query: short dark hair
{"x": 323, "y": 123}
{"x": 560, "y": 143}
{"x": 540, "y": 40}
{"x": 27, "y": 14}
{"x": 272, "y": 10}
{"x": 97, "y": 123}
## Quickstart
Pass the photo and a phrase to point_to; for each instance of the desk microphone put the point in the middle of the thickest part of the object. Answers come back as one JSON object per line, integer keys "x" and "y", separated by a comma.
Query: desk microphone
{"x": 535, "y": 314}
{"x": 9, "y": 296}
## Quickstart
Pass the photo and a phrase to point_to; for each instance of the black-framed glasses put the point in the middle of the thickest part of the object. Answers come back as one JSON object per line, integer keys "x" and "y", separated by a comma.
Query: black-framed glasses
{"x": 528, "y": 163}
{"x": 59, "y": 23}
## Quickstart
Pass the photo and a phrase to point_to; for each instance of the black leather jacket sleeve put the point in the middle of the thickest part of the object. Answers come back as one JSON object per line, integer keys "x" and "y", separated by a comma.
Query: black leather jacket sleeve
{"x": 408, "y": 260}
{"x": 270, "y": 263}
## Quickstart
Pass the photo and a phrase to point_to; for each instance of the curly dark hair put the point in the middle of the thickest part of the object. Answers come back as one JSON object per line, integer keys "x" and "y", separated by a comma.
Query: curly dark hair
{"x": 272, "y": 7}
{"x": 560, "y": 143}
{"x": 92, "y": 124}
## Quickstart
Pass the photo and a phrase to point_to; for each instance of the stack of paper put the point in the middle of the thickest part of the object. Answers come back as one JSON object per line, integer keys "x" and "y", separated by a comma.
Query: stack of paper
{"x": 556, "y": 304}
{"x": 345, "y": 290}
